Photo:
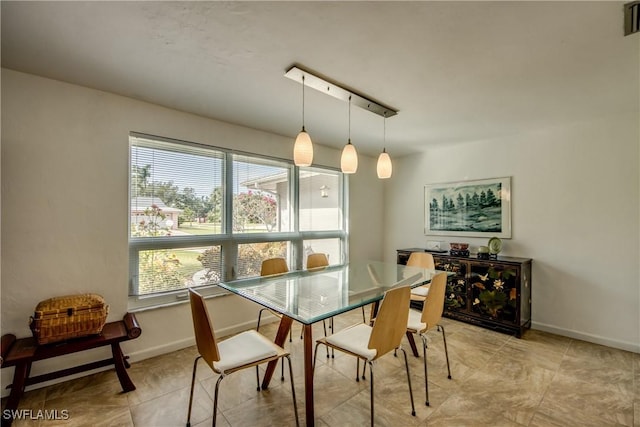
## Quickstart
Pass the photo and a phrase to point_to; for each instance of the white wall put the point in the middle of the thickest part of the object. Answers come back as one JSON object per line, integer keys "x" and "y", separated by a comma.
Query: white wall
{"x": 64, "y": 203}
{"x": 575, "y": 212}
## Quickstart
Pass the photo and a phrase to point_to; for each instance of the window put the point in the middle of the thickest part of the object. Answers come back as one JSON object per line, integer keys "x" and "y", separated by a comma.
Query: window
{"x": 260, "y": 195}
{"x": 251, "y": 255}
{"x": 331, "y": 247}
{"x": 320, "y": 200}
{"x": 200, "y": 215}
{"x": 162, "y": 270}
{"x": 176, "y": 190}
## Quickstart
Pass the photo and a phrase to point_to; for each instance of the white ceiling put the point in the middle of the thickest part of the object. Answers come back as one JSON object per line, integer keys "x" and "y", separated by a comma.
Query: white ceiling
{"x": 456, "y": 71}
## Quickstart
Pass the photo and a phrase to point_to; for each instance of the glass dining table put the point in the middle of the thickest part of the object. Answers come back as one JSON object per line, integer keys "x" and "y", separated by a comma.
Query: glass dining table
{"x": 309, "y": 296}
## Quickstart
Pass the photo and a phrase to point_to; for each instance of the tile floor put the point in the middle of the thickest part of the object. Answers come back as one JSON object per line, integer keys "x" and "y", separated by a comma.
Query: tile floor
{"x": 498, "y": 380}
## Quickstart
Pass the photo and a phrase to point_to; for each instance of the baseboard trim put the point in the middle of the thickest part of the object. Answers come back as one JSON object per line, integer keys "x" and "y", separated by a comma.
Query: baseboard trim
{"x": 596, "y": 339}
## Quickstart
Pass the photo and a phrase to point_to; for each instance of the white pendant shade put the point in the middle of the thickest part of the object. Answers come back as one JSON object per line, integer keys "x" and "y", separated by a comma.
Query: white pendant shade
{"x": 303, "y": 149}
{"x": 384, "y": 166}
{"x": 349, "y": 159}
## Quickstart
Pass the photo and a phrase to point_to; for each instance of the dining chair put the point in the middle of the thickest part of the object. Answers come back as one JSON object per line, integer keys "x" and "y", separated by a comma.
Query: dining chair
{"x": 422, "y": 260}
{"x": 242, "y": 351}
{"x": 372, "y": 342}
{"x": 421, "y": 322}
{"x": 317, "y": 261}
{"x": 271, "y": 267}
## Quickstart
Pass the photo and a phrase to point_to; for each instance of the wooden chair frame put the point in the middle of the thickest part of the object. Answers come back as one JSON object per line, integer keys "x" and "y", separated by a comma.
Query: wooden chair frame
{"x": 209, "y": 352}
{"x": 423, "y": 260}
{"x": 431, "y": 316}
{"x": 385, "y": 335}
{"x": 273, "y": 267}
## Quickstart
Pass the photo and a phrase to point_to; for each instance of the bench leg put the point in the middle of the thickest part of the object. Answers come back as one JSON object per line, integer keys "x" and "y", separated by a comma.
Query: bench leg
{"x": 20, "y": 375}
{"x": 121, "y": 370}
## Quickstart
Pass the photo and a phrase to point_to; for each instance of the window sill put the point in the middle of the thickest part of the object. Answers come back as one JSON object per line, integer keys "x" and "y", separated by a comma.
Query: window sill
{"x": 139, "y": 304}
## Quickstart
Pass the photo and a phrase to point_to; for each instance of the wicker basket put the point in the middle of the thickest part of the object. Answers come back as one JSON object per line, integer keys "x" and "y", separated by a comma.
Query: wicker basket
{"x": 71, "y": 316}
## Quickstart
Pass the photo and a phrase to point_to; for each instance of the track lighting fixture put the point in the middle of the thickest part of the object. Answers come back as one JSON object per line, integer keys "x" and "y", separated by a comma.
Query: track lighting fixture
{"x": 303, "y": 149}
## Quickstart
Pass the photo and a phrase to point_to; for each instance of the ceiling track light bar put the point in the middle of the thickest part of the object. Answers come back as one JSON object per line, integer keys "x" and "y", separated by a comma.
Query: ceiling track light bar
{"x": 337, "y": 91}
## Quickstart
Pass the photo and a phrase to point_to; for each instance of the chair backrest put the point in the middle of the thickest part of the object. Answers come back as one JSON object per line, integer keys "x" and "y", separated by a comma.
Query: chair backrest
{"x": 317, "y": 260}
{"x": 434, "y": 304}
{"x": 391, "y": 321}
{"x": 205, "y": 337}
{"x": 273, "y": 266}
{"x": 421, "y": 259}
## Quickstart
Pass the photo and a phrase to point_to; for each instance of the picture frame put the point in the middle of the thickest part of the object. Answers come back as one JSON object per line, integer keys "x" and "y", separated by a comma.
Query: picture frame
{"x": 472, "y": 208}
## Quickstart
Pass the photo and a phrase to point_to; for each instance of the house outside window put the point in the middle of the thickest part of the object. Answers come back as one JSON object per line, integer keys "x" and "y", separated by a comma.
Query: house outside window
{"x": 200, "y": 215}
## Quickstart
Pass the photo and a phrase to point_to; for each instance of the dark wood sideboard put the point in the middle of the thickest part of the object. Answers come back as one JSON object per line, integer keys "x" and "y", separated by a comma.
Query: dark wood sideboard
{"x": 492, "y": 293}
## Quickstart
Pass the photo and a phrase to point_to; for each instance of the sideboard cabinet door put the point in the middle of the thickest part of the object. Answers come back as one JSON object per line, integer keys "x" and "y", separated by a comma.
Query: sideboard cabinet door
{"x": 457, "y": 296}
{"x": 494, "y": 291}
{"x": 494, "y": 294}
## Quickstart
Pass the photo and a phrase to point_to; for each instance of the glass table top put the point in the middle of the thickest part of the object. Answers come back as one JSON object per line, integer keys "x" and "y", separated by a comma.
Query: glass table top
{"x": 312, "y": 295}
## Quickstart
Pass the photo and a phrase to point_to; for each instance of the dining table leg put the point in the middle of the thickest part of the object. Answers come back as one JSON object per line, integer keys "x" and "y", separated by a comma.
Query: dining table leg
{"x": 375, "y": 306}
{"x": 308, "y": 376}
{"x": 412, "y": 344}
{"x": 281, "y": 336}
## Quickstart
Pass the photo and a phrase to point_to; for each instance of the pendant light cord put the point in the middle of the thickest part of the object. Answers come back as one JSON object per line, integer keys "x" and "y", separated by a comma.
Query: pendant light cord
{"x": 384, "y": 133}
{"x": 303, "y": 103}
{"x": 349, "y": 119}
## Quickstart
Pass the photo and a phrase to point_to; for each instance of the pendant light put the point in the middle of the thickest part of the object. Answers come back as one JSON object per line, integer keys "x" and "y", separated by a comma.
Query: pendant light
{"x": 303, "y": 147}
{"x": 384, "y": 161}
{"x": 349, "y": 159}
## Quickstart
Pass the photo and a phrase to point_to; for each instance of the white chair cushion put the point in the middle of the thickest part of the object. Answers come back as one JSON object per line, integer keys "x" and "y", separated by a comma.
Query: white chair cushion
{"x": 422, "y": 291}
{"x": 354, "y": 339}
{"x": 415, "y": 321}
{"x": 244, "y": 348}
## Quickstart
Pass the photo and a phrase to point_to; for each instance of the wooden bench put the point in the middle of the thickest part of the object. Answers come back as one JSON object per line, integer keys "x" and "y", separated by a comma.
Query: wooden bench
{"x": 22, "y": 352}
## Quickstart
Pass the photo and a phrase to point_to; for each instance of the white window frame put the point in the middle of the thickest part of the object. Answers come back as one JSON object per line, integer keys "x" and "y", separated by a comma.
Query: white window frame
{"x": 228, "y": 240}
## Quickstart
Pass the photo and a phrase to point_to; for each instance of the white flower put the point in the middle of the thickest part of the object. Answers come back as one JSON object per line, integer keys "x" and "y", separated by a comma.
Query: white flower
{"x": 476, "y": 301}
{"x": 498, "y": 284}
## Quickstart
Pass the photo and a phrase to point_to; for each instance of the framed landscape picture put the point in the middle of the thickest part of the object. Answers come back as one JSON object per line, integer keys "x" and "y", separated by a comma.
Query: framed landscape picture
{"x": 480, "y": 208}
